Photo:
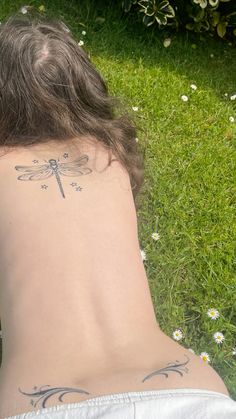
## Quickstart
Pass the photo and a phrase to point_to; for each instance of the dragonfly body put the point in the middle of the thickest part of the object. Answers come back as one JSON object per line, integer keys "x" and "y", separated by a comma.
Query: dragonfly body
{"x": 53, "y": 167}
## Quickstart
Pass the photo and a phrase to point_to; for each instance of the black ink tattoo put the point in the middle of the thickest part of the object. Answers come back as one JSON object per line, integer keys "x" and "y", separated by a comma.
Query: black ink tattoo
{"x": 46, "y": 393}
{"x": 171, "y": 367}
{"x": 44, "y": 171}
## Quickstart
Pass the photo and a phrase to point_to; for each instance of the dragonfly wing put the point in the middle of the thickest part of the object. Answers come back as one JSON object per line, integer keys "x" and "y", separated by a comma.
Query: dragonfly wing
{"x": 32, "y": 168}
{"x": 81, "y": 160}
{"x": 36, "y": 174}
{"x": 74, "y": 168}
{"x": 75, "y": 171}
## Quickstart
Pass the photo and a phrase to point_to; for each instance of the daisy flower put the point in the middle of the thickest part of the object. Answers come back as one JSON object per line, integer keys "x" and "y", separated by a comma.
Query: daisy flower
{"x": 80, "y": 43}
{"x": 213, "y": 313}
{"x": 204, "y": 356}
{"x": 177, "y": 334}
{"x": 83, "y": 32}
{"x": 24, "y": 10}
{"x": 231, "y": 119}
{"x": 184, "y": 98}
{"x": 155, "y": 236}
{"x": 219, "y": 337}
{"x": 135, "y": 108}
{"x": 143, "y": 254}
{"x": 193, "y": 86}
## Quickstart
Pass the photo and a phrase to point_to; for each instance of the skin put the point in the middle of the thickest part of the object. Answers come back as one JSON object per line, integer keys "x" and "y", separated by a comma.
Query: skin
{"x": 76, "y": 310}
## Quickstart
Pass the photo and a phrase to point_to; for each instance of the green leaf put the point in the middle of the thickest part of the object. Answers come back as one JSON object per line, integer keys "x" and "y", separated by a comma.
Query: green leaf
{"x": 214, "y": 3}
{"x": 215, "y": 18}
{"x": 148, "y": 20}
{"x": 126, "y": 5}
{"x": 167, "y": 8}
{"x": 200, "y": 15}
{"x": 149, "y": 10}
{"x": 189, "y": 26}
{"x": 221, "y": 29}
{"x": 100, "y": 19}
{"x": 161, "y": 19}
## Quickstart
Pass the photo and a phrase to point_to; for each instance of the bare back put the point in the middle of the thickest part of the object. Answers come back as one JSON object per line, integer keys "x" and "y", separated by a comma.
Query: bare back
{"x": 75, "y": 305}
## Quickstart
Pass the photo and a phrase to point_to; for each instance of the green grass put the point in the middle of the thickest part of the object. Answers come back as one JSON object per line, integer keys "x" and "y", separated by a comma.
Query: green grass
{"x": 189, "y": 191}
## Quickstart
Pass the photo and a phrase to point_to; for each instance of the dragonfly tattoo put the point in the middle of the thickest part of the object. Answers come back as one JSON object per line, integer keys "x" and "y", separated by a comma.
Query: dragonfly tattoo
{"x": 54, "y": 168}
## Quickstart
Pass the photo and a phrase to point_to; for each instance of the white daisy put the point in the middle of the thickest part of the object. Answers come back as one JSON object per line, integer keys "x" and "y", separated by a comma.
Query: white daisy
{"x": 83, "y": 32}
{"x": 155, "y": 236}
{"x": 219, "y": 337}
{"x": 23, "y": 10}
{"x": 135, "y": 108}
{"x": 226, "y": 94}
{"x": 193, "y": 86}
{"x": 231, "y": 119}
{"x": 143, "y": 254}
{"x": 204, "y": 356}
{"x": 136, "y": 139}
{"x": 177, "y": 334}
{"x": 233, "y": 97}
{"x": 213, "y": 313}
{"x": 80, "y": 43}
{"x": 234, "y": 351}
{"x": 184, "y": 98}
{"x": 167, "y": 42}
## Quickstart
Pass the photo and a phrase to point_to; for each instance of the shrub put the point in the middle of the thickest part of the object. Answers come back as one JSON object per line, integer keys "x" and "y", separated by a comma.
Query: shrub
{"x": 217, "y": 17}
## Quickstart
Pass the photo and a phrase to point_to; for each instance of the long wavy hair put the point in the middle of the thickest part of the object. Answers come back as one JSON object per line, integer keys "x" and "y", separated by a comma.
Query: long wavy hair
{"x": 50, "y": 90}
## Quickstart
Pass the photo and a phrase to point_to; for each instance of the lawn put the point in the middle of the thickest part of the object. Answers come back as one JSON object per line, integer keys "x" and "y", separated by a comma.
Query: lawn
{"x": 188, "y": 197}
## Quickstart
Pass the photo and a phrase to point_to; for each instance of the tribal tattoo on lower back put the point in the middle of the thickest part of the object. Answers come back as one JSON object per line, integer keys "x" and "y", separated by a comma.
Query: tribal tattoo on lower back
{"x": 54, "y": 168}
{"x": 43, "y": 394}
{"x": 172, "y": 367}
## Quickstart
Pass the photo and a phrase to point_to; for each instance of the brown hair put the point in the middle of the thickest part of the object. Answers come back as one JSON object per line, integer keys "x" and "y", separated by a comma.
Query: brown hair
{"x": 50, "y": 90}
